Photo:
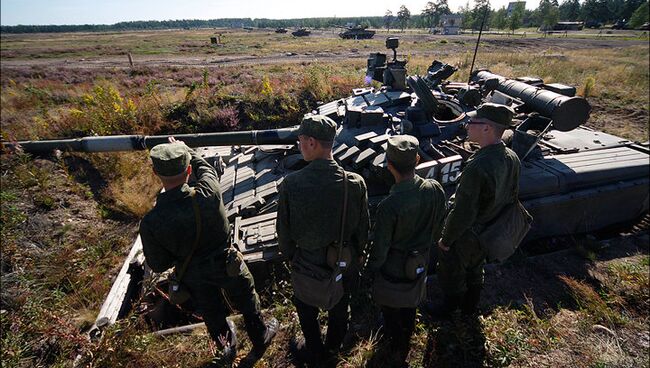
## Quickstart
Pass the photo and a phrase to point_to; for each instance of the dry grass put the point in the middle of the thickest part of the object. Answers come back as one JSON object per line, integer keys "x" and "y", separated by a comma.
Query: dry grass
{"x": 60, "y": 238}
{"x": 132, "y": 185}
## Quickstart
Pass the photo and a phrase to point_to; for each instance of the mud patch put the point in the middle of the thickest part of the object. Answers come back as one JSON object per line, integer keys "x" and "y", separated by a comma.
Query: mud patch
{"x": 625, "y": 121}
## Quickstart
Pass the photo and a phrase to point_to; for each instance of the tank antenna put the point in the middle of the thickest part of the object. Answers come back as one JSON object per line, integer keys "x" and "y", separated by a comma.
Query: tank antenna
{"x": 487, "y": 9}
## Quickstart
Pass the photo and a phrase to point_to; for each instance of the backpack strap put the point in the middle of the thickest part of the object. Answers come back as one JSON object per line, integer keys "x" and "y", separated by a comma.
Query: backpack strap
{"x": 197, "y": 216}
{"x": 343, "y": 216}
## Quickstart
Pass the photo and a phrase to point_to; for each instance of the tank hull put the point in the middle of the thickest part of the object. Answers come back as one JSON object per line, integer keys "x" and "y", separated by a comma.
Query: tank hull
{"x": 573, "y": 179}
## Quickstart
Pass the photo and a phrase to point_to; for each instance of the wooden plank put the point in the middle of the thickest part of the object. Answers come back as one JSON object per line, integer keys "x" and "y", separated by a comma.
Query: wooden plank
{"x": 115, "y": 299}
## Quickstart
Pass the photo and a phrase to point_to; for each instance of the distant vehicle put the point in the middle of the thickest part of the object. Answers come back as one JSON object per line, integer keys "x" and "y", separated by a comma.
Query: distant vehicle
{"x": 593, "y": 24}
{"x": 248, "y": 28}
{"x": 281, "y": 30}
{"x": 301, "y": 32}
{"x": 568, "y": 26}
{"x": 357, "y": 32}
{"x": 621, "y": 24}
{"x": 644, "y": 27}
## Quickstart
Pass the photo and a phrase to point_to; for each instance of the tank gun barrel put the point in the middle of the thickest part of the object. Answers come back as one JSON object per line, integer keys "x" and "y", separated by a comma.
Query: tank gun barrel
{"x": 118, "y": 143}
{"x": 566, "y": 112}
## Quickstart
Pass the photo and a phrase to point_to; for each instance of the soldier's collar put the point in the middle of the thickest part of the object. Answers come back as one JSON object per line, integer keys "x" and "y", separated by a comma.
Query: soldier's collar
{"x": 405, "y": 185}
{"x": 493, "y": 147}
{"x": 496, "y": 146}
{"x": 181, "y": 191}
{"x": 322, "y": 164}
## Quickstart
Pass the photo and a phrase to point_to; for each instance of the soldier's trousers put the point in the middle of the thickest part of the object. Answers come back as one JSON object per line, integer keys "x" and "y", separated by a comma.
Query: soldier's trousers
{"x": 337, "y": 325}
{"x": 206, "y": 282}
{"x": 399, "y": 324}
{"x": 461, "y": 268}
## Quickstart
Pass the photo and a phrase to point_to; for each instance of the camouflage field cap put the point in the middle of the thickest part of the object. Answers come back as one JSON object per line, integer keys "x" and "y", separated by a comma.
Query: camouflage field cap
{"x": 499, "y": 114}
{"x": 170, "y": 159}
{"x": 402, "y": 149}
{"x": 318, "y": 126}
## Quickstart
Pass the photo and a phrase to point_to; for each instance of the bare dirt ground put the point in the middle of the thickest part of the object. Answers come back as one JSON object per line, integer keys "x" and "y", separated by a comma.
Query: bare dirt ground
{"x": 533, "y": 284}
{"x": 455, "y": 44}
{"x": 66, "y": 208}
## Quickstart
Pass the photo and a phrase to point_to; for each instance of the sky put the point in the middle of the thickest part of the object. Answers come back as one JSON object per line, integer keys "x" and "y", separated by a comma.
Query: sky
{"x": 32, "y": 12}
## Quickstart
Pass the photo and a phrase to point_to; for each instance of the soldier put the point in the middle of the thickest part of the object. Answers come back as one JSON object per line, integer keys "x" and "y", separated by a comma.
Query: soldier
{"x": 309, "y": 223}
{"x": 486, "y": 185}
{"x": 408, "y": 224}
{"x": 169, "y": 238}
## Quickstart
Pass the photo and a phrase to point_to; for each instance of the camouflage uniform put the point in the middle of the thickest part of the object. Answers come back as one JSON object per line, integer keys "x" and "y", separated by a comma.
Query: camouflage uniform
{"x": 410, "y": 218}
{"x": 485, "y": 187}
{"x": 168, "y": 232}
{"x": 405, "y": 222}
{"x": 308, "y": 221}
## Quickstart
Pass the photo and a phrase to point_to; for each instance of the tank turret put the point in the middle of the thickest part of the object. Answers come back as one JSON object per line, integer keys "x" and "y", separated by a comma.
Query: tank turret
{"x": 357, "y": 32}
{"x": 301, "y": 32}
{"x": 592, "y": 178}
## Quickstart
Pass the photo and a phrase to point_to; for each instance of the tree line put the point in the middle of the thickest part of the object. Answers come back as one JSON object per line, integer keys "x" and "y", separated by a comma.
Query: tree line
{"x": 593, "y": 12}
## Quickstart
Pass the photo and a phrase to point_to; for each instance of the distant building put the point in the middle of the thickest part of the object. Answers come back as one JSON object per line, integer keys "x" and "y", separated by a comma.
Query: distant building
{"x": 513, "y": 5}
{"x": 451, "y": 23}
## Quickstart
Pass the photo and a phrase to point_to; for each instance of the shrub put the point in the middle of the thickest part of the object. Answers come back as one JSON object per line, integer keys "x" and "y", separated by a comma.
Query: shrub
{"x": 103, "y": 111}
{"x": 316, "y": 84}
{"x": 588, "y": 87}
{"x": 590, "y": 301}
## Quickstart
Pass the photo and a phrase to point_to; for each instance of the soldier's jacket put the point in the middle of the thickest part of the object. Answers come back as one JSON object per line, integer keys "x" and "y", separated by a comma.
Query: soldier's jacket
{"x": 309, "y": 211}
{"x": 410, "y": 218}
{"x": 169, "y": 229}
{"x": 489, "y": 181}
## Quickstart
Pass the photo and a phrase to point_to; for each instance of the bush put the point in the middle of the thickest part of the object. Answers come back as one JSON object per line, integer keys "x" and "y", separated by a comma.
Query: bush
{"x": 588, "y": 88}
{"x": 201, "y": 111}
{"x": 641, "y": 15}
{"x": 103, "y": 112}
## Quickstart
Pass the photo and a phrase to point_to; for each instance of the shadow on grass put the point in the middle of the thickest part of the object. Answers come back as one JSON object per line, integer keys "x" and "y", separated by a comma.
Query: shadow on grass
{"x": 456, "y": 343}
{"x": 85, "y": 173}
{"x": 540, "y": 278}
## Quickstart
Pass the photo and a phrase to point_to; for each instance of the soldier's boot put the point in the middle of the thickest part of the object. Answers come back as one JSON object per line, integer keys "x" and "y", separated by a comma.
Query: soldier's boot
{"x": 259, "y": 346}
{"x": 304, "y": 353}
{"x": 227, "y": 343}
{"x": 442, "y": 311}
{"x": 471, "y": 299}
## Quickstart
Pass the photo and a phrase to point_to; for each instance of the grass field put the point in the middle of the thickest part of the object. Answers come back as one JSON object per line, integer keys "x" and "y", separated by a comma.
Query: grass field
{"x": 237, "y": 42}
{"x": 68, "y": 221}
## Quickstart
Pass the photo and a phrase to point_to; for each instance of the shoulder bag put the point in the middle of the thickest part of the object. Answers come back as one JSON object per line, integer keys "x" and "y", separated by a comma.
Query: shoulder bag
{"x": 318, "y": 286}
{"x": 408, "y": 293}
{"x": 501, "y": 237}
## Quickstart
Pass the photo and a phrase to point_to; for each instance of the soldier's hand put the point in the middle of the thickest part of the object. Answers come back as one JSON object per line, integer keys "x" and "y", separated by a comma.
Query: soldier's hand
{"x": 442, "y": 246}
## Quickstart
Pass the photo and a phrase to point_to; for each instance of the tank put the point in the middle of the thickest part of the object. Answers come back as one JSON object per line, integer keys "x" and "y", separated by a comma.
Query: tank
{"x": 301, "y": 32}
{"x": 573, "y": 179}
{"x": 280, "y": 30}
{"x": 357, "y": 32}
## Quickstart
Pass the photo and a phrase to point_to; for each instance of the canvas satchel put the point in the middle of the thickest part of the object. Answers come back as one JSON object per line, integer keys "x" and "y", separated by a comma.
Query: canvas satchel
{"x": 399, "y": 294}
{"x": 408, "y": 293}
{"x": 177, "y": 292}
{"x": 501, "y": 237}
{"x": 235, "y": 263}
{"x": 318, "y": 286}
